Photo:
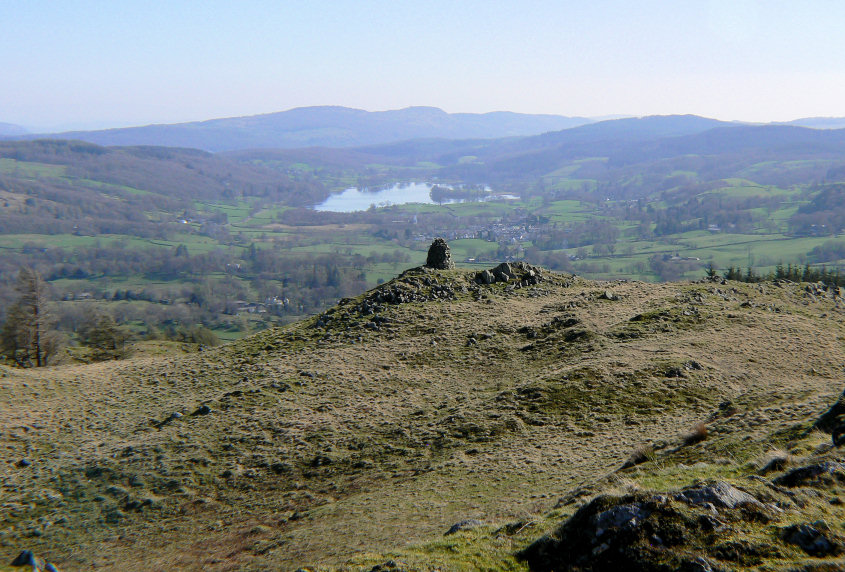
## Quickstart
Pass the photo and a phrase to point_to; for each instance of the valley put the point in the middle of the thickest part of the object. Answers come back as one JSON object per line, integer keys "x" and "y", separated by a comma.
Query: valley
{"x": 160, "y": 237}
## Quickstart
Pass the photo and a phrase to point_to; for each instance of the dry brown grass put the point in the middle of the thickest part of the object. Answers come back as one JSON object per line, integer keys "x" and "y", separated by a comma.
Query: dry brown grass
{"x": 774, "y": 460}
{"x": 697, "y": 434}
{"x": 641, "y": 454}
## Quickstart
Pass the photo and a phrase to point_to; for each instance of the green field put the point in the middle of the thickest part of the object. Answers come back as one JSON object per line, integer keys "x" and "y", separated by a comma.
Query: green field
{"x": 28, "y": 170}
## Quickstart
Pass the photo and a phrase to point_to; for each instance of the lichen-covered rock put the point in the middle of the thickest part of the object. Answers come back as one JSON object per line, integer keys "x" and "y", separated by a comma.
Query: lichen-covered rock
{"x": 693, "y": 529}
{"x": 636, "y": 533}
{"x": 628, "y": 515}
{"x": 720, "y": 494}
{"x": 439, "y": 256}
{"x": 608, "y": 295}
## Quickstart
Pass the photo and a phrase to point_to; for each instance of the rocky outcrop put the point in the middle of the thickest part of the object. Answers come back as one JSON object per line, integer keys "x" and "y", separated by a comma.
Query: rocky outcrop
{"x": 518, "y": 273}
{"x": 816, "y": 290}
{"x": 690, "y": 530}
{"x": 814, "y": 539}
{"x": 439, "y": 256}
{"x": 634, "y": 532}
{"x": 416, "y": 285}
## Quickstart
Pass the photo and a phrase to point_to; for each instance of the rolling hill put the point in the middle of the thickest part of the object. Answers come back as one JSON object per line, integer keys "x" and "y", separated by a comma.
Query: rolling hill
{"x": 355, "y": 439}
{"x": 76, "y": 185}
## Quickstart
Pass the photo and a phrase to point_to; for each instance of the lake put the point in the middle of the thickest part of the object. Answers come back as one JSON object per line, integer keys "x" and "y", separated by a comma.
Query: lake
{"x": 353, "y": 199}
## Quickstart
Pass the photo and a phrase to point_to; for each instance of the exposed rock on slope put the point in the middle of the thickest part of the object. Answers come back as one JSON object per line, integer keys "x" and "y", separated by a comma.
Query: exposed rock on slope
{"x": 519, "y": 274}
{"x": 776, "y": 523}
{"x": 697, "y": 529}
{"x": 834, "y": 417}
{"x": 647, "y": 532}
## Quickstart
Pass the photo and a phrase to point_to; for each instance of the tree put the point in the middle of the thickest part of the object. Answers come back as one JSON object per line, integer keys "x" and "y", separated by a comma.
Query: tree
{"x": 26, "y": 336}
{"x": 106, "y": 339}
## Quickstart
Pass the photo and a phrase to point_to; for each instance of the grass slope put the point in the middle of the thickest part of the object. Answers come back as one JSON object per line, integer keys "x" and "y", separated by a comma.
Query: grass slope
{"x": 361, "y": 435}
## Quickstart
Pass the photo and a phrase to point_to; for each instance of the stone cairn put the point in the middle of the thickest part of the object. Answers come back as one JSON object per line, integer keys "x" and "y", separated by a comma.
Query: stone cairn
{"x": 439, "y": 256}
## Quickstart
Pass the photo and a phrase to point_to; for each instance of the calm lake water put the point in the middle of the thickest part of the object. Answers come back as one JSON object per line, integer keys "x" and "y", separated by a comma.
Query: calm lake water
{"x": 353, "y": 199}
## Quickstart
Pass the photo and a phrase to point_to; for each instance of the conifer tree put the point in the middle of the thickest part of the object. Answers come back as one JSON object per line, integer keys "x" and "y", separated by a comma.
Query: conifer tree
{"x": 26, "y": 336}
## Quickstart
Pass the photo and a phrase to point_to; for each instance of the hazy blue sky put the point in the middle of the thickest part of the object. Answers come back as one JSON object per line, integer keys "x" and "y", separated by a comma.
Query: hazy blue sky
{"x": 86, "y": 63}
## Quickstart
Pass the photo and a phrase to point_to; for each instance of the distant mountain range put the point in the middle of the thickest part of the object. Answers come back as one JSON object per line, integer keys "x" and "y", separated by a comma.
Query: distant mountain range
{"x": 819, "y": 122}
{"x": 327, "y": 127}
{"x": 11, "y": 130}
{"x": 506, "y": 140}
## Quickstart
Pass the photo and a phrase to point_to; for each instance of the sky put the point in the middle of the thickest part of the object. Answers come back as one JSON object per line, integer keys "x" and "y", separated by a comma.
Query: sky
{"x": 85, "y": 64}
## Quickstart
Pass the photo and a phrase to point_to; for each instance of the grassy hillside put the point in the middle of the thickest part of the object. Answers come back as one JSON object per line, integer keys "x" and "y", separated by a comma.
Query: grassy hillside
{"x": 361, "y": 435}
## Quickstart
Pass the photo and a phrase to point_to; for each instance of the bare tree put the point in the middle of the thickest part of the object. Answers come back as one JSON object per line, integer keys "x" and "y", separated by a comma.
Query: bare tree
{"x": 26, "y": 336}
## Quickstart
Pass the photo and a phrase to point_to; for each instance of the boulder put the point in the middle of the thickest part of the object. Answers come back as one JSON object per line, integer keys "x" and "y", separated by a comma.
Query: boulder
{"x": 172, "y": 417}
{"x": 810, "y": 539}
{"x": 719, "y": 494}
{"x": 28, "y": 559}
{"x": 464, "y": 525}
{"x": 390, "y": 565}
{"x": 25, "y": 558}
{"x": 826, "y": 470}
{"x": 637, "y": 533}
{"x": 202, "y": 410}
{"x": 520, "y": 272}
{"x": 439, "y": 256}
{"x": 503, "y": 272}
{"x": 833, "y": 417}
{"x": 485, "y": 277}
